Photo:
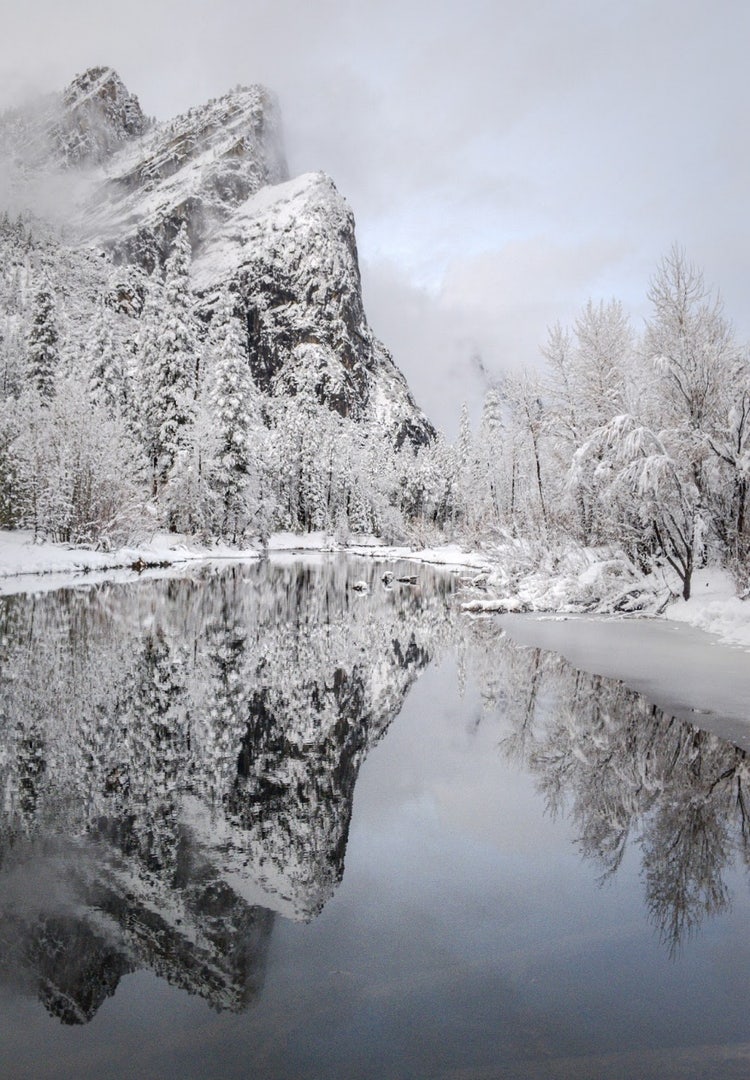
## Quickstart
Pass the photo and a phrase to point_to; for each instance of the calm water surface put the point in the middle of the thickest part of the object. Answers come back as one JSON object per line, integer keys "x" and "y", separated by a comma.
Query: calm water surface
{"x": 256, "y": 823}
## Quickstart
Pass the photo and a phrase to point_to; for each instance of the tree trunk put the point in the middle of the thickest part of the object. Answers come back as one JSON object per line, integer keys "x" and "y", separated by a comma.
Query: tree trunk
{"x": 687, "y": 579}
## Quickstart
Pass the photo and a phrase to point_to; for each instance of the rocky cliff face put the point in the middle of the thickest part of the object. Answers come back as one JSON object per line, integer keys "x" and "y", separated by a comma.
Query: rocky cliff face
{"x": 289, "y": 254}
{"x": 285, "y": 248}
{"x": 198, "y": 169}
{"x": 82, "y": 126}
{"x": 98, "y": 115}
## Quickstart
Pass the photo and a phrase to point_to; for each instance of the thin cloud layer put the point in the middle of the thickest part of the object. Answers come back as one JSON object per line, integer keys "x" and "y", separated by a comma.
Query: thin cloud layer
{"x": 507, "y": 160}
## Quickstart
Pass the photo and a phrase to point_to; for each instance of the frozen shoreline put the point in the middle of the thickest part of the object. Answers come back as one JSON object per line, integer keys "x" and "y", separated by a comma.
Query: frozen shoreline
{"x": 680, "y": 669}
{"x": 28, "y": 567}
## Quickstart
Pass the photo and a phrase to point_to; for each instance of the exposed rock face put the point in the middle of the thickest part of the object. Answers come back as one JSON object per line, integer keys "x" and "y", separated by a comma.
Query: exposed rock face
{"x": 290, "y": 255}
{"x": 286, "y": 248}
{"x": 197, "y": 168}
{"x": 98, "y": 115}
{"x": 83, "y": 126}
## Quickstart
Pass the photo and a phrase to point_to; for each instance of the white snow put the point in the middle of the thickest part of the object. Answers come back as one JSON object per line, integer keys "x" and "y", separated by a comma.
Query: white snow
{"x": 599, "y": 581}
{"x": 26, "y": 566}
{"x": 290, "y": 541}
{"x": 284, "y": 208}
{"x": 451, "y": 556}
{"x": 180, "y": 159}
{"x": 683, "y": 671}
{"x": 715, "y": 607}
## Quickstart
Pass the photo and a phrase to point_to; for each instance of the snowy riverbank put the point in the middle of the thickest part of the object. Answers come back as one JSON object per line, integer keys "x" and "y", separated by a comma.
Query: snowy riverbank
{"x": 26, "y": 566}
{"x": 714, "y": 606}
{"x": 591, "y": 581}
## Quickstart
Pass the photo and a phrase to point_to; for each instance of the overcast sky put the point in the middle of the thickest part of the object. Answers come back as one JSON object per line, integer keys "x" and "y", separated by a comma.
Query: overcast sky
{"x": 504, "y": 160}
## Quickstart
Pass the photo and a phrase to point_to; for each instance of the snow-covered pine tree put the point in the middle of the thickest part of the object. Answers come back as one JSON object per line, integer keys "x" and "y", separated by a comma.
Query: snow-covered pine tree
{"x": 12, "y": 358}
{"x": 463, "y": 495}
{"x": 43, "y": 342}
{"x": 108, "y": 375}
{"x": 168, "y": 356}
{"x": 234, "y": 409}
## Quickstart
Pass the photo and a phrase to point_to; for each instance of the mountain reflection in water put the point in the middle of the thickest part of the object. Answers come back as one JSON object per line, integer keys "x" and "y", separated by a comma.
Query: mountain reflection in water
{"x": 178, "y": 760}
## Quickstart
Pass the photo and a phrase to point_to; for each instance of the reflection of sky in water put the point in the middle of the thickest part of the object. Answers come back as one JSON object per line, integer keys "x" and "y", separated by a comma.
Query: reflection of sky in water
{"x": 467, "y": 932}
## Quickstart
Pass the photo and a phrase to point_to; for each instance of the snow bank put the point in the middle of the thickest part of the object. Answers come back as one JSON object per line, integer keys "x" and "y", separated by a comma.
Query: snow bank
{"x": 715, "y": 607}
{"x": 601, "y": 581}
{"x": 572, "y": 580}
{"x": 290, "y": 541}
{"x": 26, "y": 566}
{"x": 451, "y": 556}
{"x": 577, "y": 581}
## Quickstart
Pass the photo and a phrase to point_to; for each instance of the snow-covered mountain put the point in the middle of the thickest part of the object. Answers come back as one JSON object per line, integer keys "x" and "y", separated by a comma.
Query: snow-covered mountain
{"x": 285, "y": 249}
{"x": 84, "y": 124}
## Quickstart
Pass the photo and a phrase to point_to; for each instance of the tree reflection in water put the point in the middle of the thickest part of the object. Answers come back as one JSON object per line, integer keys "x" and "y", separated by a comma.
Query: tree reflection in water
{"x": 624, "y": 772}
{"x": 178, "y": 761}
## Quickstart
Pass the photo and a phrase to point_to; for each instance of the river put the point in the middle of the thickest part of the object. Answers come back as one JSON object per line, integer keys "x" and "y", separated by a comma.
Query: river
{"x": 258, "y": 821}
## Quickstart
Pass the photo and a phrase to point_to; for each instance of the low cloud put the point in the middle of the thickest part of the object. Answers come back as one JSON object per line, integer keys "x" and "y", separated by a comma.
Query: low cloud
{"x": 490, "y": 315}
{"x": 504, "y": 162}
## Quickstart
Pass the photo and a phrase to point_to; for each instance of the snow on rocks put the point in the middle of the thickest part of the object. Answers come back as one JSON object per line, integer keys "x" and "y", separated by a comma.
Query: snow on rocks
{"x": 98, "y": 115}
{"x": 571, "y": 580}
{"x": 198, "y": 166}
{"x": 290, "y": 252}
{"x": 501, "y": 605}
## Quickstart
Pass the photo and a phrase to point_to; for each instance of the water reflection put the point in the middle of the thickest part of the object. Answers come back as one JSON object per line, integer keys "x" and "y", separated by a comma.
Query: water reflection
{"x": 177, "y": 763}
{"x": 626, "y": 774}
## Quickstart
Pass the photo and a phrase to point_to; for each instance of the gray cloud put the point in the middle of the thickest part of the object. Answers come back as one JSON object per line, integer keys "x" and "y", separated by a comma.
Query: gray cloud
{"x": 506, "y": 159}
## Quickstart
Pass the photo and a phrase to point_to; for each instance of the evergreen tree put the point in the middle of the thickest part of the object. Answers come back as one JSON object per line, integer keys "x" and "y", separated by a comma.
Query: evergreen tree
{"x": 108, "y": 376}
{"x": 169, "y": 355}
{"x": 234, "y": 410}
{"x": 43, "y": 344}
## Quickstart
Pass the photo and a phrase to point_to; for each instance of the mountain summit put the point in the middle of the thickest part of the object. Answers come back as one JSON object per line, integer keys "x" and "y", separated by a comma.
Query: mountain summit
{"x": 182, "y": 333}
{"x": 285, "y": 249}
{"x": 98, "y": 116}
